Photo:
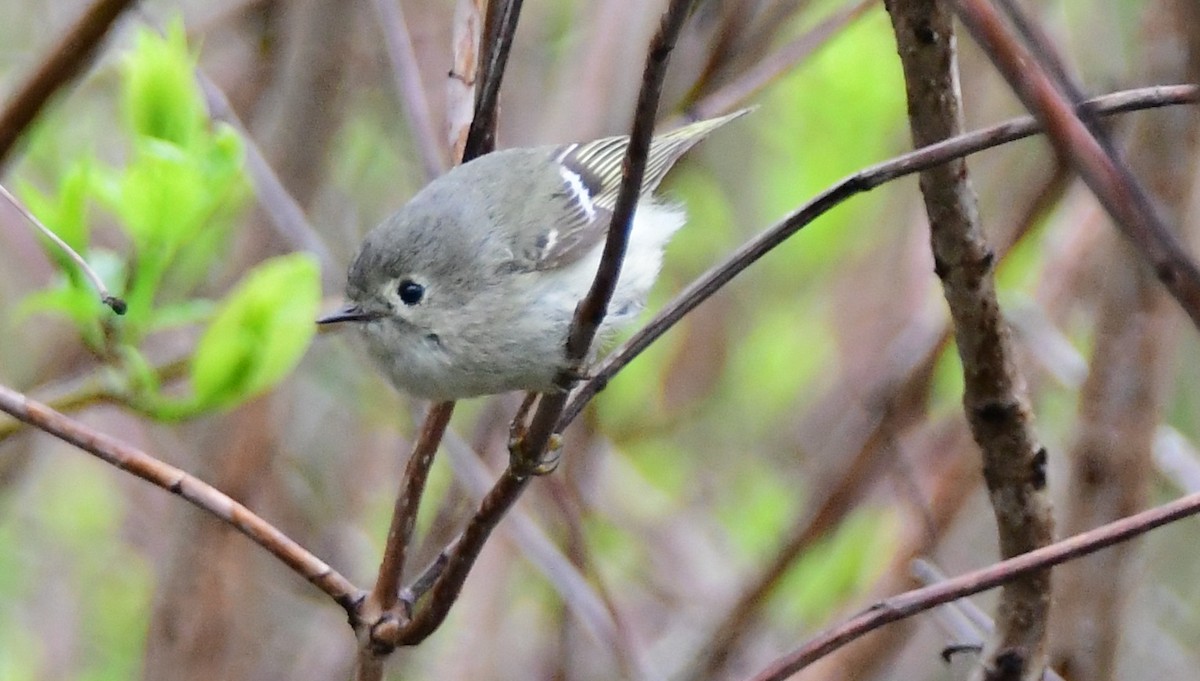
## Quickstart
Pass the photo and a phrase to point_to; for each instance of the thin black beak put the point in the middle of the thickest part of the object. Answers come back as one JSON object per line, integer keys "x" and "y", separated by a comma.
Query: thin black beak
{"x": 350, "y": 312}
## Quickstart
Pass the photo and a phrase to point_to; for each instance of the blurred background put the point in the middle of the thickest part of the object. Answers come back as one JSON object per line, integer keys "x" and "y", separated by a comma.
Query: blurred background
{"x": 773, "y": 464}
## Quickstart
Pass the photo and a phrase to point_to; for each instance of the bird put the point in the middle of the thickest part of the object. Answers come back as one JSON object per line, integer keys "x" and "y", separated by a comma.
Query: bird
{"x": 470, "y": 288}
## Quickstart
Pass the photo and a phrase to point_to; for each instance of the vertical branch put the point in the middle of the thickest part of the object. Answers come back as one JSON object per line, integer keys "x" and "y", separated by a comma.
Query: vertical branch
{"x": 408, "y": 502}
{"x": 387, "y": 627}
{"x": 594, "y": 306}
{"x": 64, "y": 63}
{"x": 996, "y": 406}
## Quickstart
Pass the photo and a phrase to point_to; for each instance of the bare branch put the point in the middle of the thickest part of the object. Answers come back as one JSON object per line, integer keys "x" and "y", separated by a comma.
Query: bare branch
{"x": 994, "y": 399}
{"x": 107, "y": 298}
{"x": 919, "y": 600}
{"x": 862, "y": 181}
{"x": 404, "y": 516}
{"x": 197, "y": 492}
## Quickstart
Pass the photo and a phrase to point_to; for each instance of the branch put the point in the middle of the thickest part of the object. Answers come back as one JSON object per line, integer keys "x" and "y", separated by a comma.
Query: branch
{"x": 65, "y": 62}
{"x": 863, "y": 181}
{"x": 115, "y": 303}
{"x": 197, "y": 492}
{"x": 384, "y": 596}
{"x": 916, "y": 601}
{"x": 591, "y": 310}
{"x": 994, "y": 399}
{"x": 1111, "y": 181}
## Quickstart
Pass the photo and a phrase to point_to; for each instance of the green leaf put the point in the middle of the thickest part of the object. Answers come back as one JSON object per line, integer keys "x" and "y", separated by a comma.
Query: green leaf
{"x": 259, "y": 333}
{"x": 161, "y": 98}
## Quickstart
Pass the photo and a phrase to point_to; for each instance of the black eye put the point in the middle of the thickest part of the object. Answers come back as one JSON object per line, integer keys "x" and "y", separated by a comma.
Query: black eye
{"x": 410, "y": 292}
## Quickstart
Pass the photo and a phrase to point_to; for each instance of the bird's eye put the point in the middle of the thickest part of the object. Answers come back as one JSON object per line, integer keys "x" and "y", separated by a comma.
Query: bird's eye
{"x": 410, "y": 292}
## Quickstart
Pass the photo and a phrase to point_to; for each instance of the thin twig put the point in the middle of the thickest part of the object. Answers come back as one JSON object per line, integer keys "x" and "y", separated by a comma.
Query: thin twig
{"x": 862, "y": 181}
{"x": 407, "y": 74}
{"x": 197, "y": 492}
{"x": 107, "y": 298}
{"x": 1114, "y": 185}
{"x": 404, "y": 515}
{"x": 916, "y": 601}
{"x": 591, "y": 310}
{"x": 65, "y": 62}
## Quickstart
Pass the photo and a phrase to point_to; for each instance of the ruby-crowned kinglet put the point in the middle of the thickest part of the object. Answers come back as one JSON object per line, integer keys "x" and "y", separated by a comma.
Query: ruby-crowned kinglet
{"x": 471, "y": 287}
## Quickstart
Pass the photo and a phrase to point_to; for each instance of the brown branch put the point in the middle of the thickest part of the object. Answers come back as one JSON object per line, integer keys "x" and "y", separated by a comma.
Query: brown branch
{"x": 916, "y": 601}
{"x": 591, "y": 310}
{"x": 862, "y": 181}
{"x": 462, "y": 557}
{"x": 404, "y": 516}
{"x": 65, "y": 62}
{"x": 1111, "y": 181}
{"x": 197, "y": 492}
{"x": 994, "y": 399}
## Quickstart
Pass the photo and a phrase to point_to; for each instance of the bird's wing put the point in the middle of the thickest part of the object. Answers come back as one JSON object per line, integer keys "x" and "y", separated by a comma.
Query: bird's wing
{"x": 590, "y": 175}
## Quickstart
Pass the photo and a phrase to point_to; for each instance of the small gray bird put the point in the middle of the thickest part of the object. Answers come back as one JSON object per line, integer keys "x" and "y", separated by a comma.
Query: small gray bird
{"x": 471, "y": 287}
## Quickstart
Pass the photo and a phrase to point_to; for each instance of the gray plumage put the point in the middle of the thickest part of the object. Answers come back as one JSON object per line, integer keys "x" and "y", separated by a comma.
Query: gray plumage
{"x": 470, "y": 288}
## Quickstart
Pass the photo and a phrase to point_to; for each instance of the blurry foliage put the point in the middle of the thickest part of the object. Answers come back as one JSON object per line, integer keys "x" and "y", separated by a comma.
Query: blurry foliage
{"x": 172, "y": 202}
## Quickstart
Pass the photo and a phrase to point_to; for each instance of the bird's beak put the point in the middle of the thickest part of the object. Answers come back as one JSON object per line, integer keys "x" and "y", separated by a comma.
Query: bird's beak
{"x": 350, "y": 312}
